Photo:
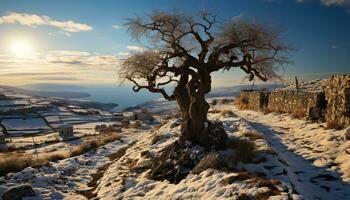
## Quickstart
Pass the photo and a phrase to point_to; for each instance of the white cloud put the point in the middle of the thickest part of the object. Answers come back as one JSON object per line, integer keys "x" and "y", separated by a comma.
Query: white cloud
{"x": 33, "y": 20}
{"x": 82, "y": 58}
{"x": 336, "y": 2}
{"x": 59, "y": 66}
{"x": 135, "y": 48}
{"x": 116, "y": 27}
{"x": 345, "y": 3}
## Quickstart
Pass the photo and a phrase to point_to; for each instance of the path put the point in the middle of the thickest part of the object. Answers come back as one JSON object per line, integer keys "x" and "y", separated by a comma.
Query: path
{"x": 300, "y": 153}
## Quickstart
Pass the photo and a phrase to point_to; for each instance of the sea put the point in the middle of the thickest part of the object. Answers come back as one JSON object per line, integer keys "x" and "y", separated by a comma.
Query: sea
{"x": 125, "y": 97}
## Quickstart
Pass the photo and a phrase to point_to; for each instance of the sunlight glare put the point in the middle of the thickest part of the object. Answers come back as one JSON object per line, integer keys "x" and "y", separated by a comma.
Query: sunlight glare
{"x": 21, "y": 48}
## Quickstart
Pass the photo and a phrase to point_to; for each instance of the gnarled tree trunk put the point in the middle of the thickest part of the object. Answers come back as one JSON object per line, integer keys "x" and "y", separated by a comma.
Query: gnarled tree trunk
{"x": 195, "y": 125}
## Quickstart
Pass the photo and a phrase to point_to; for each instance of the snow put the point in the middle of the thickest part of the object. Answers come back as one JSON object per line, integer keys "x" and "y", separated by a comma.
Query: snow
{"x": 307, "y": 86}
{"x": 24, "y": 123}
{"x": 127, "y": 184}
{"x": 309, "y": 161}
{"x": 64, "y": 178}
{"x": 316, "y": 159}
{"x": 13, "y": 102}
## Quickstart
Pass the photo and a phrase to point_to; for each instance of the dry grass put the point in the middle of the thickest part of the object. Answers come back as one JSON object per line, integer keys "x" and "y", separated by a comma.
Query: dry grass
{"x": 245, "y": 149}
{"x": 334, "y": 125}
{"x": 265, "y": 110}
{"x": 226, "y": 101}
{"x": 14, "y": 162}
{"x": 84, "y": 147}
{"x": 227, "y": 113}
{"x": 136, "y": 125}
{"x": 254, "y": 135}
{"x": 214, "y": 111}
{"x": 242, "y": 103}
{"x": 299, "y": 114}
{"x": 212, "y": 161}
{"x": 255, "y": 180}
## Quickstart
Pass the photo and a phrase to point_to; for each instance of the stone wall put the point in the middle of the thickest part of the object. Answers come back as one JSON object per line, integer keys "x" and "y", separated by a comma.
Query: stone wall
{"x": 337, "y": 92}
{"x": 300, "y": 104}
{"x": 254, "y": 100}
{"x": 331, "y": 104}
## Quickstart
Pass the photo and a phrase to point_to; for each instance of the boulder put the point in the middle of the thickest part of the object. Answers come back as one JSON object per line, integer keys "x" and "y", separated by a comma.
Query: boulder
{"x": 19, "y": 192}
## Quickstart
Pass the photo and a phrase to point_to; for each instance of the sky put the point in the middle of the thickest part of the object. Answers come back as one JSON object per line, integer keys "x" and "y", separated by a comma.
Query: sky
{"x": 81, "y": 41}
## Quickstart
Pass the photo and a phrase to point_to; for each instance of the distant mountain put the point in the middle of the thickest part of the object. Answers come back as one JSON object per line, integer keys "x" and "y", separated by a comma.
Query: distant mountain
{"x": 235, "y": 90}
{"x": 65, "y": 98}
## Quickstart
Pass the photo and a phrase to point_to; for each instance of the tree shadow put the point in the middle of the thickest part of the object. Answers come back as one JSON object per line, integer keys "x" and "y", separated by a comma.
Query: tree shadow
{"x": 310, "y": 181}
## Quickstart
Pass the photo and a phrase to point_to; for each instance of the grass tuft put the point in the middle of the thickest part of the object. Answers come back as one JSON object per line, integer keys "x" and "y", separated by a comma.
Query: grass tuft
{"x": 245, "y": 149}
{"x": 14, "y": 161}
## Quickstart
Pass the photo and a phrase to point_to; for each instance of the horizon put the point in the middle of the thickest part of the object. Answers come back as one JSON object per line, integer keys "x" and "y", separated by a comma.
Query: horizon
{"x": 52, "y": 43}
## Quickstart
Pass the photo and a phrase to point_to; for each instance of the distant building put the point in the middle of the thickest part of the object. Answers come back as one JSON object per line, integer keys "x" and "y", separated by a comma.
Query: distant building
{"x": 66, "y": 130}
{"x": 2, "y": 138}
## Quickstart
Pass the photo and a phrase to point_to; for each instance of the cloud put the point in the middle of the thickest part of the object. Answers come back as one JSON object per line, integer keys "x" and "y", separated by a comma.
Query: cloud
{"x": 135, "y": 48}
{"x": 33, "y": 20}
{"x": 116, "y": 27}
{"x": 335, "y": 46}
{"x": 56, "y": 78}
{"x": 59, "y": 66}
{"x": 81, "y": 58}
{"x": 336, "y": 2}
{"x": 344, "y": 3}
{"x": 34, "y": 74}
{"x": 59, "y": 33}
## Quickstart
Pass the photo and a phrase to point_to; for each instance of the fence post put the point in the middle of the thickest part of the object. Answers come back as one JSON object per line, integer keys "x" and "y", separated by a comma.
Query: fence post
{"x": 297, "y": 84}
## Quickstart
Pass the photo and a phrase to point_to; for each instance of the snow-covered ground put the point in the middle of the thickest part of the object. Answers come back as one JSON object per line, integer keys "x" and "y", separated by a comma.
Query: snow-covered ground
{"x": 32, "y": 114}
{"x": 68, "y": 178}
{"x": 301, "y": 159}
{"x": 122, "y": 181}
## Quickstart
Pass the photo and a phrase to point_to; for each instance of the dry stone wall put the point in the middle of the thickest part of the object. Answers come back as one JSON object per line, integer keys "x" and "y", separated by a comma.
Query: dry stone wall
{"x": 331, "y": 104}
{"x": 254, "y": 100}
{"x": 301, "y": 104}
{"x": 337, "y": 92}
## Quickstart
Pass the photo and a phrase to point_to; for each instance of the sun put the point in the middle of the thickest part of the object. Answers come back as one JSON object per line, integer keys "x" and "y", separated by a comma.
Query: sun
{"x": 21, "y": 47}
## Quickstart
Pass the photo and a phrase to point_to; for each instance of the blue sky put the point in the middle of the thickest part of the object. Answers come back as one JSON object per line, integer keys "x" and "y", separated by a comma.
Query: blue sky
{"x": 83, "y": 51}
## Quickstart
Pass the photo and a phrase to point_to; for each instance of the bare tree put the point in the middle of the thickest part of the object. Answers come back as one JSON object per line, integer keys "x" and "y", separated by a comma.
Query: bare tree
{"x": 186, "y": 50}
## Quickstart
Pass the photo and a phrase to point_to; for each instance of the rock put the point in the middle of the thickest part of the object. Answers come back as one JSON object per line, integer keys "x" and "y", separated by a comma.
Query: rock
{"x": 19, "y": 192}
{"x": 337, "y": 94}
{"x": 347, "y": 134}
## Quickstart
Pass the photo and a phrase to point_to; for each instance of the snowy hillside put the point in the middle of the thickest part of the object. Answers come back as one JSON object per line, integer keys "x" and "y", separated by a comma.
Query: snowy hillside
{"x": 23, "y": 113}
{"x": 272, "y": 156}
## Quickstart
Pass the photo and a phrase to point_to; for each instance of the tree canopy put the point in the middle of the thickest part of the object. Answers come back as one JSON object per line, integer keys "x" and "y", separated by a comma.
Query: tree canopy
{"x": 183, "y": 44}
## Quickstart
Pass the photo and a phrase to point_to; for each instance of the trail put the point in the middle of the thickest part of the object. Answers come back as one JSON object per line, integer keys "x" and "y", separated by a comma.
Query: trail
{"x": 299, "y": 153}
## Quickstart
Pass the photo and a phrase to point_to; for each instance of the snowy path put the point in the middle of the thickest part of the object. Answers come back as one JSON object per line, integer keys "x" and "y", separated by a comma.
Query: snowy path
{"x": 308, "y": 179}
